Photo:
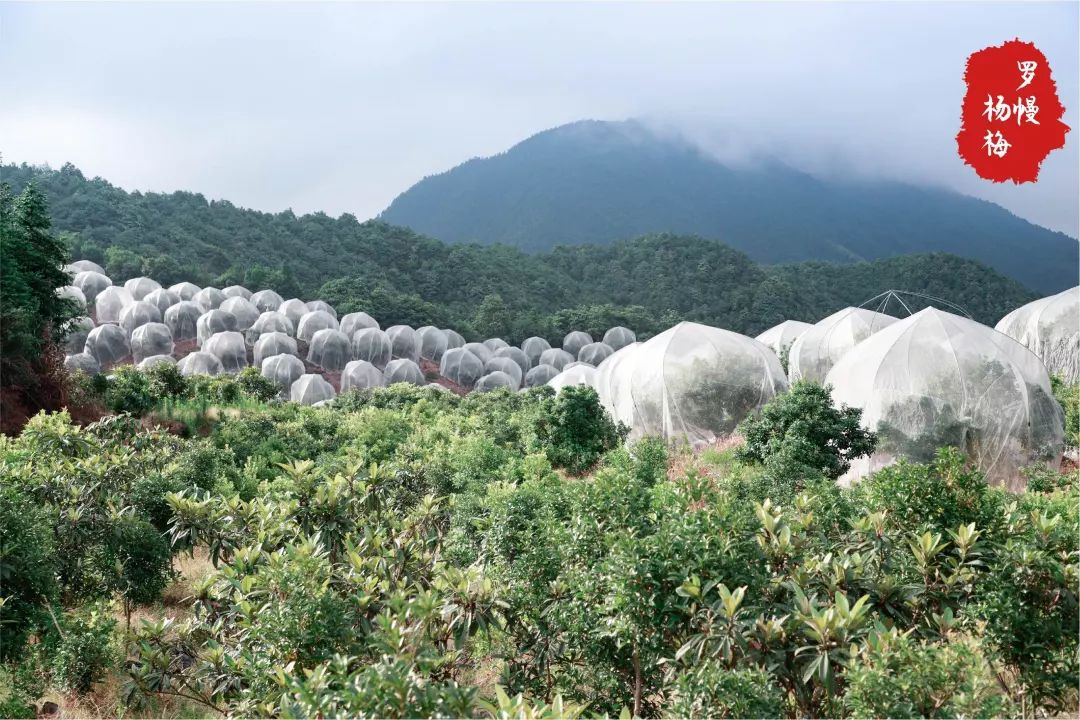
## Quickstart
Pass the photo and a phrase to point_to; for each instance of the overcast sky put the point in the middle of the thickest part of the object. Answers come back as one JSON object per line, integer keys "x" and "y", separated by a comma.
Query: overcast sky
{"x": 340, "y": 107}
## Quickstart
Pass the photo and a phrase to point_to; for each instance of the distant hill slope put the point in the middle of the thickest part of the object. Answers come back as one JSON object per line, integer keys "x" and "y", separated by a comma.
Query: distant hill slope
{"x": 596, "y": 182}
{"x": 403, "y": 277}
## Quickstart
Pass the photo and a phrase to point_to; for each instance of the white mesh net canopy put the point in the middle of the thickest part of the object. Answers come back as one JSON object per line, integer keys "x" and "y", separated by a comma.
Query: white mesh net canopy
{"x": 371, "y": 344}
{"x": 283, "y": 370}
{"x": 936, "y": 379}
{"x": 140, "y": 287}
{"x": 149, "y": 340}
{"x": 692, "y": 382}
{"x": 311, "y": 389}
{"x": 494, "y": 381}
{"x": 212, "y": 322}
{"x": 110, "y": 302}
{"x": 575, "y": 340}
{"x": 273, "y": 343}
{"x": 330, "y": 350}
{"x": 243, "y": 310}
{"x": 533, "y": 348}
{"x": 209, "y": 298}
{"x": 266, "y": 300}
{"x": 162, "y": 299}
{"x": 360, "y": 374}
{"x": 137, "y": 314}
{"x": 783, "y": 335}
{"x": 91, "y": 283}
{"x": 108, "y": 344}
{"x": 574, "y": 374}
{"x": 403, "y": 370}
{"x": 462, "y": 367}
{"x": 199, "y": 363}
{"x": 557, "y": 358}
{"x": 357, "y": 321}
{"x": 312, "y": 322}
{"x": 619, "y": 337}
{"x": 818, "y": 348}
{"x": 1050, "y": 328}
{"x": 433, "y": 342}
{"x": 229, "y": 348}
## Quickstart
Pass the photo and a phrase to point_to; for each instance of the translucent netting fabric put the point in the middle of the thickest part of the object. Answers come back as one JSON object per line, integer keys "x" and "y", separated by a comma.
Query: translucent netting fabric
{"x": 70, "y": 292}
{"x": 83, "y": 265}
{"x": 162, "y": 299}
{"x": 818, "y": 348}
{"x": 494, "y": 344}
{"x": 185, "y": 290}
{"x": 692, "y": 382}
{"x": 294, "y": 309}
{"x": 495, "y": 380}
{"x": 183, "y": 319}
{"x": 557, "y": 358}
{"x": 83, "y": 362}
{"x": 783, "y": 335}
{"x": 149, "y": 340}
{"x": 330, "y": 350}
{"x": 155, "y": 360}
{"x": 271, "y": 321}
{"x": 453, "y": 339}
{"x": 371, "y": 344}
{"x": 212, "y": 322}
{"x": 209, "y": 298}
{"x": 404, "y": 342}
{"x": 236, "y": 291}
{"x": 91, "y": 283}
{"x": 110, "y": 302}
{"x": 607, "y": 372}
{"x": 266, "y": 300}
{"x": 433, "y": 342}
{"x": 140, "y": 287}
{"x": 460, "y": 366}
{"x": 77, "y": 330}
{"x": 1050, "y": 328}
{"x": 508, "y": 366}
{"x": 357, "y": 321}
{"x": 229, "y": 348}
{"x": 575, "y": 340}
{"x": 540, "y": 375}
{"x": 137, "y": 314}
{"x": 312, "y": 322}
{"x": 359, "y": 374}
{"x": 936, "y": 379}
{"x": 579, "y": 374}
{"x": 619, "y": 337}
{"x": 274, "y": 343}
{"x": 323, "y": 306}
{"x": 403, "y": 370}
{"x": 480, "y": 350}
{"x": 243, "y": 310}
{"x": 108, "y": 344}
{"x": 283, "y": 370}
{"x": 595, "y": 353}
{"x": 199, "y": 363}
{"x": 533, "y": 348}
{"x": 517, "y": 355}
{"x": 310, "y": 389}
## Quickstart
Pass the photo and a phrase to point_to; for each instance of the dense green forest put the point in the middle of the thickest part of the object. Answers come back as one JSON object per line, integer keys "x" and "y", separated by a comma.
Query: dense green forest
{"x": 598, "y": 182}
{"x": 402, "y": 277}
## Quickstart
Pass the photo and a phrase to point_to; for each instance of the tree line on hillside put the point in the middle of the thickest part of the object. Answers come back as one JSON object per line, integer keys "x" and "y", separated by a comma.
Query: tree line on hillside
{"x": 399, "y": 276}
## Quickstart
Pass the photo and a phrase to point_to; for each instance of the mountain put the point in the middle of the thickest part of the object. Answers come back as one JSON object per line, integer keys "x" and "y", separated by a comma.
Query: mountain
{"x": 400, "y": 276}
{"x": 596, "y": 182}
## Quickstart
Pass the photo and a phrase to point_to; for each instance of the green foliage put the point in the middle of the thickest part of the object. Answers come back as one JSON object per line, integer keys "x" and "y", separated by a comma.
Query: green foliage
{"x": 711, "y": 690}
{"x": 128, "y": 391}
{"x": 574, "y": 429}
{"x": 801, "y": 432}
{"x": 83, "y": 648}
{"x": 1069, "y": 397}
{"x": 27, "y": 583}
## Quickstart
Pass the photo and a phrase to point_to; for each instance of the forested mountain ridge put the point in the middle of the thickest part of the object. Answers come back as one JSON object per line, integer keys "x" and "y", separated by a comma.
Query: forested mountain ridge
{"x": 597, "y": 182}
{"x": 400, "y": 276}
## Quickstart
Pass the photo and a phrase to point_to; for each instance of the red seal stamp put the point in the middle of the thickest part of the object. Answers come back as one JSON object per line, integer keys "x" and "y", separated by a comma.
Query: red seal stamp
{"x": 1011, "y": 116}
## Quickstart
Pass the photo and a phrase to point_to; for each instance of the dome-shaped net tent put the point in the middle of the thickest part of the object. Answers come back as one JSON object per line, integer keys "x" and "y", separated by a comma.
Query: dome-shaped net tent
{"x": 780, "y": 337}
{"x": 595, "y": 353}
{"x": 270, "y": 321}
{"x": 182, "y": 319}
{"x": 324, "y": 306}
{"x": 283, "y": 370}
{"x": 693, "y": 382}
{"x": 454, "y": 339}
{"x": 494, "y": 381}
{"x": 371, "y": 344}
{"x": 140, "y": 287}
{"x": 155, "y": 360}
{"x": 209, "y": 298}
{"x": 461, "y": 367}
{"x": 266, "y": 300}
{"x": 403, "y": 370}
{"x": 245, "y": 313}
{"x": 432, "y": 342}
{"x": 575, "y": 340}
{"x": 83, "y": 266}
{"x": 229, "y": 348}
{"x": 352, "y": 322}
{"x": 936, "y": 379}
{"x": 556, "y": 358}
{"x": 619, "y": 337}
{"x": 71, "y": 292}
{"x": 82, "y": 362}
{"x": 110, "y": 302}
{"x": 404, "y": 341}
{"x": 274, "y": 343}
{"x": 574, "y": 374}
{"x": 818, "y": 348}
{"x": 185, "y": 290}
{"x": 294, "y": 309}
{"x": 1050, "y": 328}
{"x": 480, "y": 350}
{"x": 213, "y": 322}
{"x": 330, "y": 350}
{"x": 236, "y": 291}
{"x": 149, "y": 340}
{"x": 540, "y": 375}
{"x": 312, "y": 322}
{"x": 608, "y": 376}
{"x": 77, "y": 329}
{"x": 162, "y": 299}
{"x": 199, "y": 363}
{"x": 534, "y": 347}
{"x": 92, "y": 284}
{"x": 360, "y": 374}
{"x": 517, "y": 355}
{"x": 108, "y": 344}
{"x": 310, "y": 389}
{"x": 505, "y": 365}
{"x": 494, "y": 344}
{"x": 138, "y": 314}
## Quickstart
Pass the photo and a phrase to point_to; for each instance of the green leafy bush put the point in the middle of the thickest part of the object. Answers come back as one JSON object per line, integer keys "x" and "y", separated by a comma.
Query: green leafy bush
{"x": 711, "y": 690}
{"x": 128, "y": 391}
{"x": 83, "y": 648}
{"x": 574, "y": 429}
{"x": 27, "y": 580}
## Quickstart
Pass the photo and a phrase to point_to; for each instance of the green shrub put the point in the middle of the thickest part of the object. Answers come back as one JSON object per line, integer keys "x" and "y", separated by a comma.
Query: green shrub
{"x": 143, "y": 556}
{"x": 83, "y": 649}
{"x": 27, "y": 569}
{"x": 1069, "y": 397}
{"x": 710, "y": 690}
{"x": 166, "y": 382}
{"x": 804, "y": 429}
{"x": 128, "y": 391}
{"x": 575, "y": 431}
